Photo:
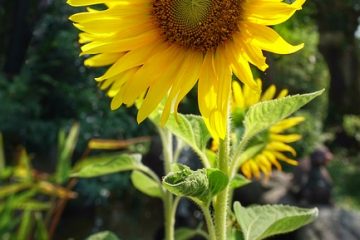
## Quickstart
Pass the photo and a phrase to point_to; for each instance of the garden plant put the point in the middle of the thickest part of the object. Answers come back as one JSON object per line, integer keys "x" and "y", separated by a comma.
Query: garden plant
{"x": 156, "y": 52}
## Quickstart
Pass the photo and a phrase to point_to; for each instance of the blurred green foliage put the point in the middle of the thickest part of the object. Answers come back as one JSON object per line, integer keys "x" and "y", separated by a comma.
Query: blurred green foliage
{"x": 36, "y": 199}
{"x": 302, "y": 72}
{"x": 31, "y": 201}
{"x": 53, "y": 88}
{"x": 345, "y": 171}
{"x": 351, "y": 125}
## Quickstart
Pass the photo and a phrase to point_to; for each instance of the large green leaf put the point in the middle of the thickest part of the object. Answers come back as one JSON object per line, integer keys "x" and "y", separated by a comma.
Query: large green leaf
{"x": 265, "y": 114}
{"x": 200, "y": 185}
{"x": 103, "y": 165}
{"x": 260, "y": 222}
{"x": 146, "y": 185}
{"x": 105, "y": 235}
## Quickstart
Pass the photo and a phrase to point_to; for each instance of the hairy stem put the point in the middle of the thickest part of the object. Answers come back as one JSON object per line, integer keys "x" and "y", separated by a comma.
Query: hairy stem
{"x": 222, "y": 200}
{"x": 169, "y": 203}
{"x": 209, "y": 222}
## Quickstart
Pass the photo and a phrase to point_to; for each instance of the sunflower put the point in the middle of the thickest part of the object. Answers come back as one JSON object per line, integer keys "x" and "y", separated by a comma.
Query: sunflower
{"x": 158, "y": 49}
{"x": 274, "y": 141}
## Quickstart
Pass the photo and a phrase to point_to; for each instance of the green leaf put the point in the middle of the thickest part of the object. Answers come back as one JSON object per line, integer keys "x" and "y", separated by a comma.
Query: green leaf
{"x": 32, "y": 205}
{"x": 187, "y": 233}
{"x": 94, "y": 167}
{"x": 193, "y": 184}
{"x": 176, "y": 167}
{"x": 8, "y": 190}
{"x": 23, "y": 169}
{"x": 217, "y": 181}
{"x": 190, "y": 128}
{"x": 265, "y": 114}
{"x": 260, "y": 222}
{"x": 145, "y": 184}
{"x": 105, "y": 235}
{"x": 25, "y": 226}
{"x": 66, "y": 149}
{"x": 7, "y": 221}
{"x": 24, "y": 201}
{"x": 200, "y": 185}
{"x": 235, "y": 234}
{"x": 239, "y": 181}
{"x": 41, "y": 231}
{"x": 249, "y": 153}
{"x": 6, "y": 173}
{"x": 212, "y": 157}
{"x": 7, "y": 218}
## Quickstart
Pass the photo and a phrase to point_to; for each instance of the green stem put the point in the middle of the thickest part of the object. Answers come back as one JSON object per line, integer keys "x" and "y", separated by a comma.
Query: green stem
{"x": 169, "y": 203}
{"x": 209, "y": 222}
{"x": 166, "y": 138}
{"x": 235, "y": 163}
{"x": 169, "y": 217}
{"x": 150, "y": 173}
{"x": 222, "y": 201}
{"x": 178, "y": 150}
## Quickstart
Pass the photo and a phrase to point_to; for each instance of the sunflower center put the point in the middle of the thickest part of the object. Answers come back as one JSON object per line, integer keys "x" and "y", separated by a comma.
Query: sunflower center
{"x": 197, "y": 24}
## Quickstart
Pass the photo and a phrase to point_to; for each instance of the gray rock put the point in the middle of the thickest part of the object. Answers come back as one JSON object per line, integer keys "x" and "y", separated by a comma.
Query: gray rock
{"x": 332, "y": 224}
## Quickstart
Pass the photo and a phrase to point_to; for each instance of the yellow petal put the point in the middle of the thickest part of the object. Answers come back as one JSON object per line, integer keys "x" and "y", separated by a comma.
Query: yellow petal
{"x": 269, "y": 40}
{"x": 160, "y": 86}
{"x": 282, "y": 157}
{"x": 255, "y": 169}
{"x": 132, "y": 59}
{"x": 271, "y": 157}
{"x": 269, "y": 93}
{"x": 184, "y": 81}
{"x": 102, "y": 59}
{"x": 240, "y": 66}
{"x": 289, "y": 138}
{"x": 238, "y": 96}
{"x": 283, "y": 93}
{"x": 246, "y": 170}
{"x": 270, "y": 12}
{"x": 279, "y": 146}
{"x": 285, "y": 124}
{"x": 206, "y": 92}
{"x": 121, "y": 45}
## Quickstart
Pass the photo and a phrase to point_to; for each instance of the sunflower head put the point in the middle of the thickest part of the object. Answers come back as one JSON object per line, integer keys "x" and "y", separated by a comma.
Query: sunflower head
{"x": 201, "y": 25}
{"x": 158, "y": 50}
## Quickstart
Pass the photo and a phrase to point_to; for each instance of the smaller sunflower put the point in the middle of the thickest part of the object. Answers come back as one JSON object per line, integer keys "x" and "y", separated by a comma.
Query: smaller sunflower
{"x": 275, "y": 141}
